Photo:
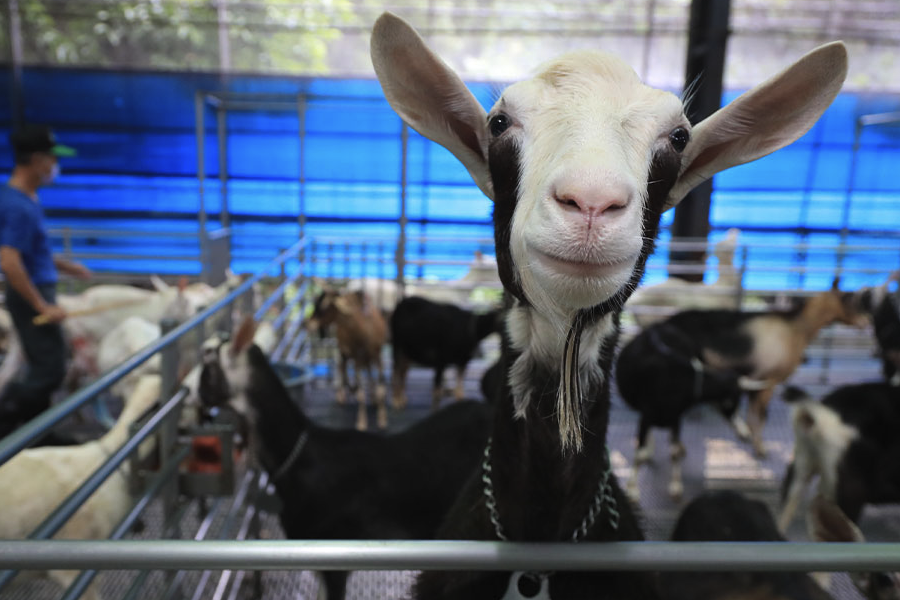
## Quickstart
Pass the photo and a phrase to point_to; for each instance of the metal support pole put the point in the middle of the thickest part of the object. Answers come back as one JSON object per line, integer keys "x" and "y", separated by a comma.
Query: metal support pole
{"x": 705, "y": 68}
{"x": 222, "y": 139}
{"x": 301, "y": 126}
{"x": 168, "y": 433}
{"x": 200, "y": 129}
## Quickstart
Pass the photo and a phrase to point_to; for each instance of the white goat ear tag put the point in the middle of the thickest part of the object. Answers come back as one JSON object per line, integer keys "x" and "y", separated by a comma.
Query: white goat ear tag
{"x": 522, "y": 584}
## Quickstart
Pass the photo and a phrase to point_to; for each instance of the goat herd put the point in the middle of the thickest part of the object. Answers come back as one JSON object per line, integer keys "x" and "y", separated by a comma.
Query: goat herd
{"x": 580, "y": 162}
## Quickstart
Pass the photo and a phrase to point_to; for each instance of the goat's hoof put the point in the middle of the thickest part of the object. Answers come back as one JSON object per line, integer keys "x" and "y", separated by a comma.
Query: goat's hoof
{"x": 340, "y": 397}
{"x": 633, "y": 491}
{"x": 676, "y": 490}
{"x": 362, "y": 422}
{"x": 760, "y": 452}
{"x": 643, "y": 455}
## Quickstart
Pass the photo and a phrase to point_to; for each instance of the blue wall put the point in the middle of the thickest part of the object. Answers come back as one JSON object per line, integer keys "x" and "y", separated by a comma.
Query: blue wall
{"x": 137, "y": 168}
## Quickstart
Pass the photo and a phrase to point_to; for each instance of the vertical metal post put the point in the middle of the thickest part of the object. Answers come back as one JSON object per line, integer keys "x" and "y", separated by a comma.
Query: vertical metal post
{"x": 168, "y": 431}
{"x": 301, "y": 125}
{"x": 282, "y": 277}
{"x": 200, "y": 130}
{"x": 67, "y": 252}
{"x": 15, "y": 53}
{"x": 704, "y": 71}
{"x": 222, "y": 138}
{"x": 400, "y": 256}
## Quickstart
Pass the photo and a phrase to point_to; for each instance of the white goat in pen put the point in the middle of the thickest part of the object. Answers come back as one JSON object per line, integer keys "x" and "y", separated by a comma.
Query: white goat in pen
{"x": 36, "y": 480}
{"x": 678, "y": 294}
{"x": 580, "y": 162}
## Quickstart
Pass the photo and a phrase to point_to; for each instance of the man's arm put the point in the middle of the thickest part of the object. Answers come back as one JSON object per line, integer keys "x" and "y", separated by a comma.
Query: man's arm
{"x": 72, "y": 268}
{"x": 17, "y": 277}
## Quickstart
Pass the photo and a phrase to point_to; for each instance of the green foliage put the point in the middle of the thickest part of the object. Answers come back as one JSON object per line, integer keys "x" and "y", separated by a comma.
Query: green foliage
{"x": 276, "y": 35}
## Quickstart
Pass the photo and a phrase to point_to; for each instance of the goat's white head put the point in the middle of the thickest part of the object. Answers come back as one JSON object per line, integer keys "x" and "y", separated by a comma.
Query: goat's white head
{"x": 582, "y": 159}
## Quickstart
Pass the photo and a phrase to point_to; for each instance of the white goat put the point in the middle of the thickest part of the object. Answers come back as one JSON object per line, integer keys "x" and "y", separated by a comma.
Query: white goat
{"x": 580, "y": 161}
{"x": 36, "y": 480}
{"x": 123, "y": 342}
{"x": 678, "y": 294}
{"x": 462, "y": 292}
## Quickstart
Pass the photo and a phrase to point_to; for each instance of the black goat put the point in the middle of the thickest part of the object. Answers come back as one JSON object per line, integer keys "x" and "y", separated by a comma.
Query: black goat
{"x": 849, "y": 440}
{"x": 726, "y": 516}
{"x": 348, "y": 484}
{"x": 438, "y": 335}
{"x": 661, "y": 375}
{"x": 883, "y": 304}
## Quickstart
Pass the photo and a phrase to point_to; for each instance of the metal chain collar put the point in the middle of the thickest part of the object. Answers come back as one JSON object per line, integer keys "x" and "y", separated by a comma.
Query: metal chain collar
{"x": 603, "y": 497}
{"x": 292, "y": 457}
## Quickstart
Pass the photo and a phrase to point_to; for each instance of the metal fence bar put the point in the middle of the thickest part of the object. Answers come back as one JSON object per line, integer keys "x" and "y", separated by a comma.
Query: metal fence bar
{"x": 159, "y": 481}
{"x": 286, "y": 312}
{"x": 448, "y": 555}
{"x": 277, "y": 294}
{"x": 23, "y": 436}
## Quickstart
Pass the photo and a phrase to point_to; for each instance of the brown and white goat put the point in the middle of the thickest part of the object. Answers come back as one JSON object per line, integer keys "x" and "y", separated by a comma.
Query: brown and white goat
{"x": 765, "y": 346}
{"x": 580, "y": 161}
{"x": 361, "y": 333}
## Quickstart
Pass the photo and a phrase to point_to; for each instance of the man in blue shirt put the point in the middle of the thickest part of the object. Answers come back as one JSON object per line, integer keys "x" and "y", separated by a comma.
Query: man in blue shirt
{"x": 31, "y": 275}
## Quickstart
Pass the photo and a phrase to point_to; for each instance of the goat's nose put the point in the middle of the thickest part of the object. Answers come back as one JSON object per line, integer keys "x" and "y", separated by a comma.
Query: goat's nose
{"x": 592, "y": 199}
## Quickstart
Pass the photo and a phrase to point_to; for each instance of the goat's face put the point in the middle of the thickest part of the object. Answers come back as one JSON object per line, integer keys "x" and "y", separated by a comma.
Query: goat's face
{"x": 578, "y": 156}
{"x": 581, "y": 159}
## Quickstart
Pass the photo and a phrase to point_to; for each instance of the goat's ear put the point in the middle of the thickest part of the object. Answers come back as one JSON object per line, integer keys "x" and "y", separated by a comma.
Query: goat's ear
{"x": 158, "y": 284}
{"x": 764, "y": 119}
{"x": 430, "y": 96}
{"x": 826, "y": 522}
{"x": 243, "y": 336}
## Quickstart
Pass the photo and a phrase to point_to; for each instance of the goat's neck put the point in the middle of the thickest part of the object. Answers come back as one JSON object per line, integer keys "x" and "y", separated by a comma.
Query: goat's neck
{"x": 542, "y": 490}
{"x": 814, "y": 316}
{"x": 113, "y": 439}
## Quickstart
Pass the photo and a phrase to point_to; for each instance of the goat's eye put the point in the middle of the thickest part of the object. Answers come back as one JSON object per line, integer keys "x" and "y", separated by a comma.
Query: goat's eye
{"x": 679, "y": 137}
{"x": 498, "y": 124}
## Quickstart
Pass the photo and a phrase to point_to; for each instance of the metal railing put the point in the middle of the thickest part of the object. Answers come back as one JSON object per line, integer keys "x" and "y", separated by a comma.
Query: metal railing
{"x": 162, "y": 421}
{"x": 449, "y": 555}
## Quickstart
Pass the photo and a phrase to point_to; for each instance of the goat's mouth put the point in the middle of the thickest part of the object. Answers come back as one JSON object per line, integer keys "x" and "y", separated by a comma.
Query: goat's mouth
{"x": 576, "y": 267}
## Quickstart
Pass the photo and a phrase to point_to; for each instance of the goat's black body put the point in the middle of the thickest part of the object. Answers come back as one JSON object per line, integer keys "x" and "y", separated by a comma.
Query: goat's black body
{"x": 886, "y": 319}
{"x": 348, "y": 484}
{"x": 869, "y": 470}
{"x": 727, "y": 516}
{"x": 542, "y": 495}
{"x": 438, "y": 335}
{"x": 655, "y": 377}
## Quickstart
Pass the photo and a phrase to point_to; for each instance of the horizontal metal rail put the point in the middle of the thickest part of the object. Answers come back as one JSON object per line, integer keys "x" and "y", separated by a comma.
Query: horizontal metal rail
{"x": 370, "y": 555}
{"x": 23, "y": 436}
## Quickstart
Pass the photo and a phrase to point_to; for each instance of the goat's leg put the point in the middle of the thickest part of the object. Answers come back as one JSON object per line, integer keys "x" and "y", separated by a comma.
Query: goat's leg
{"x": 459, "y": 392}
{"x": 798, "y": 477}
{"x": 335, "y": 583}
{"x": 437, "y": 390}
{"x": 756, "y": 419}
{"x": 362, "y": 415}
{"x": 398, "y": 379}
{"x": 340, "y": 392}
{"x": 642, "y": 455}
{"x": 380, "y": 394}
{"x": 676, "y": 455}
